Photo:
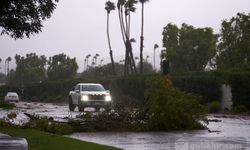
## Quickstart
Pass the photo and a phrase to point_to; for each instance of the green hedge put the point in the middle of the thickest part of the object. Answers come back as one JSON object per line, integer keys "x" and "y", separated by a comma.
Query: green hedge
{"x": 205, "y": 85}
{"x": 131, "y": 89}
{"x": 122, "y": 88}
{"x": 240, "y": 85}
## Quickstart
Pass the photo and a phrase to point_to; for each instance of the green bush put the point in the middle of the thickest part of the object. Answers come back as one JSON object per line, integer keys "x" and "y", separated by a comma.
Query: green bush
{"x": 49, "y": 126}
{"x": 60, "y": 128}
{"x": 172, "y": 109}
{"x": 205, "y": 85}
{"x": 240, "y": 109}
{"x": 240, "y": 85}
{"x": 213, "y": 107}
{"x": 7, "y": 105}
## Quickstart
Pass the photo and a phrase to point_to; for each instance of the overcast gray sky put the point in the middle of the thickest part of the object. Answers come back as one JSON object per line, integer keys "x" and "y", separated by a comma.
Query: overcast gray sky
{"x": 78, "y": 27}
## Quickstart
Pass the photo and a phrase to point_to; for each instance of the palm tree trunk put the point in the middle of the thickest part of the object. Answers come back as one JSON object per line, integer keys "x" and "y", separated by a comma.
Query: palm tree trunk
{"x": 142, "y": 38}
{"x": 120, "y": 14}
{"x": 154, "y": 59}
{"x": 126, "y": 64}
{"x": 87, "y": 64}
{"x": 5, "y": 68}
{"x": 110, "y": 49}
{"x": 130, "y": 46}
{"x": 123, "y": 37}
{"x": 8, "y": 70}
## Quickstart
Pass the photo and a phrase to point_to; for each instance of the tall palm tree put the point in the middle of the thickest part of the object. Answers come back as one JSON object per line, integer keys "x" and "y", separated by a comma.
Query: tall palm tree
{"x": 147, "y": 58}
{"x": 101, "y": 62}
{"x": 84, "y": 66}
{"x": 87, "y": 59}
{"x": 96, "y": 57}
{"x": 155, "y": 47}
{"x": 125, "y": 7}
{"x": 109, "y": 6}
{"x": 93, "y": 61}
{"x": 8, "y": 60}
{"x": 142, "y": 34}
{"x": 0, "y": 64}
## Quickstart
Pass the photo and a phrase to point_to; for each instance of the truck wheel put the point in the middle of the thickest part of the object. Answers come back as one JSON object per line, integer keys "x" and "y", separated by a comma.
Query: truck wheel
{"x": 80, "y": 107}
{"x": 71, "y": 105}
{"x": 108, "y": 108}
{"x": 97, "y": 109}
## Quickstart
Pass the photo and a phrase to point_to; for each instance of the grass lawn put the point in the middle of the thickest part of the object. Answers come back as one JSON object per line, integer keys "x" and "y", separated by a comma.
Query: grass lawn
{"x": 39, "y": 140}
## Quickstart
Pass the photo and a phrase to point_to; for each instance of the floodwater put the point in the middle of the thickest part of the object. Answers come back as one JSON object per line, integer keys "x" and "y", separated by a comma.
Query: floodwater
{"x": 225, "y": 133}
{"x": 59, "y": 112}
{"x": 230, "y": 133}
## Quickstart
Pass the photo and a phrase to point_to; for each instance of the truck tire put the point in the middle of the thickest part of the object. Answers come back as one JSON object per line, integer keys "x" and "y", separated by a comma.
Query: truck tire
{"x": 80, "y": 108}
{"x": 97, "y": 109}
{"x": 108, "y": 108}
{"x": 71, "y": 105}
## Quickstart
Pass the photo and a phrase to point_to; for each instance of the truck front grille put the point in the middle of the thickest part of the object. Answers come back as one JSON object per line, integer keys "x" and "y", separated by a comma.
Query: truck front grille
{"x": 97, "y": 97}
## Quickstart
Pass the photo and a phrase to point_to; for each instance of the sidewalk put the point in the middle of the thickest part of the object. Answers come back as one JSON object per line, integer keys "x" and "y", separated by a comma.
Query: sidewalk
{"x": 11, "y": 143}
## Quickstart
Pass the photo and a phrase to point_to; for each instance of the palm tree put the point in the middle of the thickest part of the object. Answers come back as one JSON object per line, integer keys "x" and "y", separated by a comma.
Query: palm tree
{"x": 147, "y": 58}
{"x": 155, "y": 47}
{"x": 125, "y": 7}
{"x": 101, "y": 62}
{"x": 8, "y": 60}
{"x": 109, "y": 6}
{"x": 87, "y": 59}
{"x": 93, "y": 61}
{"x": 0, "y": 64}
{"x": 142, "y": 34}
{"x": 96, "y": 57}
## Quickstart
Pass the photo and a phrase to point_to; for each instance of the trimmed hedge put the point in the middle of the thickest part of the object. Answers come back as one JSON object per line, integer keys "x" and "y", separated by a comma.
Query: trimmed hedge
{"x": 240, "y": 85}
{"x": 130, "y": 89}
{"x": 206, "y": 86}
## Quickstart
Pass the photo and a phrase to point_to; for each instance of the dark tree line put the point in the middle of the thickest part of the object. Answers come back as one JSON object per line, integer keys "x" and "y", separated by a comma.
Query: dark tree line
{"x": 106, "y": 70}
{"x": 33, "y": 68}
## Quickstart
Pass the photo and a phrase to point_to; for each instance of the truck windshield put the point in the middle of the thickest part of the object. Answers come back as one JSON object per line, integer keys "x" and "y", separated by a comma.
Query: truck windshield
{"x": 92, "y": 88}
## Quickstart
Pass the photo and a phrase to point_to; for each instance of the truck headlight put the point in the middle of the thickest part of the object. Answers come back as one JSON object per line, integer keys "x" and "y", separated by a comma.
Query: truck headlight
{"x": 84, "y": 98}
{"x": 108, "y": 98}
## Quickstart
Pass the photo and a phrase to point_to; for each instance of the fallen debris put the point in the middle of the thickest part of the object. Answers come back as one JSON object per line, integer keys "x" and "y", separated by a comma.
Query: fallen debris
{"x": 214, "y": 120}
{"x": 12, "y": 115}
{"x": 213, "y": 131}
{"x": 32, "y": 117}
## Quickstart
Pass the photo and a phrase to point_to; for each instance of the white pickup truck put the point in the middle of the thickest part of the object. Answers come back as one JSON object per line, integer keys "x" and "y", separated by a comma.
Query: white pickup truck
{"x": 89, "y": 95}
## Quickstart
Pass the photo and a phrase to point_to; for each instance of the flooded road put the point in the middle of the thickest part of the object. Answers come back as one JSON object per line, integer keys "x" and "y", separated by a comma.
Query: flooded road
{"x": 59, "y": 112}
{"x": 226, "y": 132}
{"x": 230, "y": 133}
